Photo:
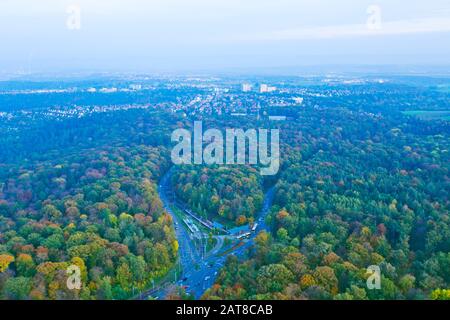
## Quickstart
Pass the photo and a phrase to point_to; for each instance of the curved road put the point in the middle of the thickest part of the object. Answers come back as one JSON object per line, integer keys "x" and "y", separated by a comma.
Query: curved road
{"x": 199, "y": 273}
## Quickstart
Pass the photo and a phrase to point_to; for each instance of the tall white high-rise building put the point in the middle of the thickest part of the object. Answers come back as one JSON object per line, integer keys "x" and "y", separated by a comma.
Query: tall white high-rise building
{"x": 246, "y": 87}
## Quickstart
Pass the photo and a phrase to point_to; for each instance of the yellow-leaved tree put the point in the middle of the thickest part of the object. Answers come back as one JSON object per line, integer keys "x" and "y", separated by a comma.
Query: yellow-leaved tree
{"x": 5, "y": 261}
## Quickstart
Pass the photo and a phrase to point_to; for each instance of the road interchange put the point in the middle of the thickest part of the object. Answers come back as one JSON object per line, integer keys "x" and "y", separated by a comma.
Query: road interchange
{"x": 198, "y": 271}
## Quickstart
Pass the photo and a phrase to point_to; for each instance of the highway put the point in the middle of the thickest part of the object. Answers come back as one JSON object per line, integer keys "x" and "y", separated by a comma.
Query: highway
{"x": 199, "y": 272}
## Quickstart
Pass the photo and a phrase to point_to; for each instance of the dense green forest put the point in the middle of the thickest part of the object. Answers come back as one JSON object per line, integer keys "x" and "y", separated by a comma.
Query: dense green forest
{"x": 355, "y": 190}
{"x": 360, "y": 184}
{"x": 98, "y": 210}
{"x": 83, "y": 192}
{"x": 231, "y": 194}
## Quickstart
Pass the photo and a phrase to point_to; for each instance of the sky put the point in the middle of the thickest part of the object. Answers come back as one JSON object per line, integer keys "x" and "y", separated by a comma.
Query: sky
{"x": 189, "y": 35}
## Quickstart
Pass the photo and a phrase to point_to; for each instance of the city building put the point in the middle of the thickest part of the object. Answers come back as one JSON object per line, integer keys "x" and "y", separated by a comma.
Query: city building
{"x": 298, "y": 100}
{"x": 264, "y": 88}
{"x": 277, "y": 118}
{"x": 136, "y": 87}
{"x": 246, "y": 87}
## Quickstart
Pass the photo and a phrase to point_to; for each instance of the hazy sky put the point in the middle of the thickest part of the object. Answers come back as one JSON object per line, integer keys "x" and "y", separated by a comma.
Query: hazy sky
{"x": 177, "y": 35}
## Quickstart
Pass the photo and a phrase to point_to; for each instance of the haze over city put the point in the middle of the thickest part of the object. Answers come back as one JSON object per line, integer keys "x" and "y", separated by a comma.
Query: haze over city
{"x": 221, "y": 35}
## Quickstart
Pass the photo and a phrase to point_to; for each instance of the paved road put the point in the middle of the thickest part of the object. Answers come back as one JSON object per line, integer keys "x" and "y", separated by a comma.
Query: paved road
{"x": 199, "y": 273}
